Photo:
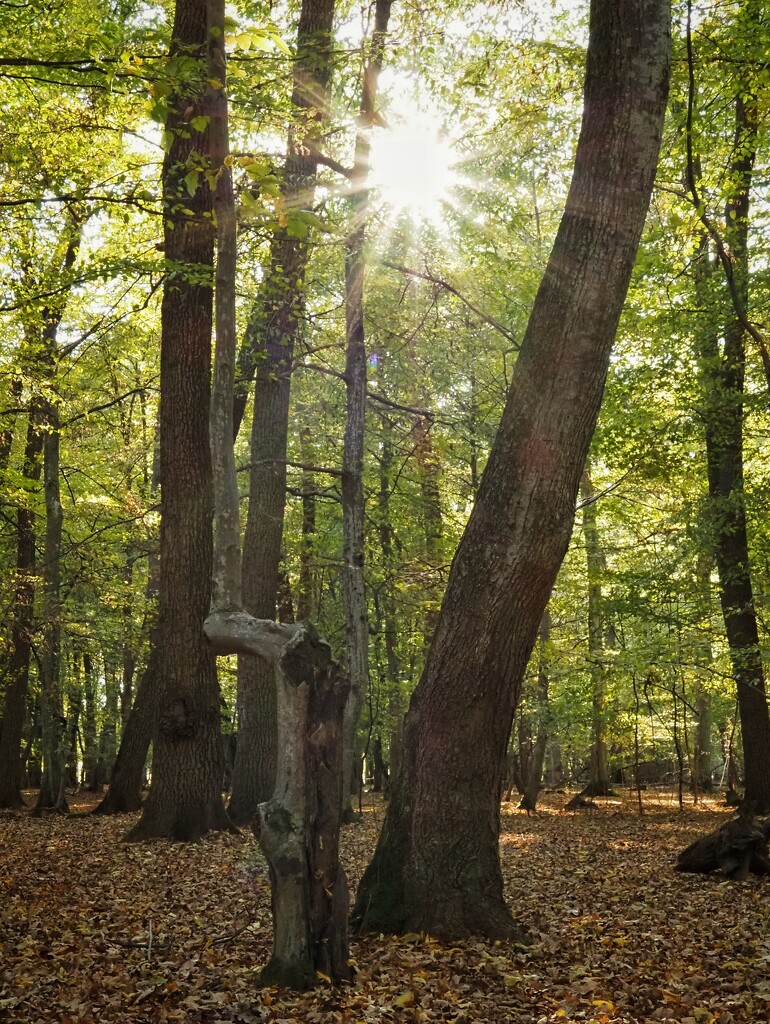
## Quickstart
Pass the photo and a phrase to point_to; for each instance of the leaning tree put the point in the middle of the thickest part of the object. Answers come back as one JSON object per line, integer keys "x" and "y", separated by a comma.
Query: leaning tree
{"x": 436, "y": 867}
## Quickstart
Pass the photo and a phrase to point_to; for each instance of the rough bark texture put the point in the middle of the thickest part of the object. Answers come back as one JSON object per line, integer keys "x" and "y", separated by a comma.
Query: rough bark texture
{"x": 185, "y": 796}
{"x": 436, "y": 867}
{"x": 299, "y": 826}
{"x": 269, "y": 345}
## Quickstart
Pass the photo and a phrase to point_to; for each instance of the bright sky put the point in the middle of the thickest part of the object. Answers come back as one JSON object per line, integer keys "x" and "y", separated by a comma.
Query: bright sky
{"x": 413, "y": 167}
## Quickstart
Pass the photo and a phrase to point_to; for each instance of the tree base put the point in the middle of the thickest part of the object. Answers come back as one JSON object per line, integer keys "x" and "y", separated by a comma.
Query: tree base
{"x": 184, "y": 825}
{"x": 597, "y": 789}
{"x": 117, "y": 803}
{"x": 288, "y": 974}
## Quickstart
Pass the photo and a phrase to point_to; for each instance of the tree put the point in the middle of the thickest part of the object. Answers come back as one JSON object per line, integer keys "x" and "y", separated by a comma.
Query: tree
{"x": 723, "y": 369}
{"x": 269, "y": 348}
{"x": 185, "y": 797}
{"x": 599, "y": 783}
{"x": 436, "y": 866}
{"x": 353, "y": 504}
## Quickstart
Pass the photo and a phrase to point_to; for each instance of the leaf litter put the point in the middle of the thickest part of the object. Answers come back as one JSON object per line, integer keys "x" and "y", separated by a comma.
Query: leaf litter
{"x": 94, "y": 930}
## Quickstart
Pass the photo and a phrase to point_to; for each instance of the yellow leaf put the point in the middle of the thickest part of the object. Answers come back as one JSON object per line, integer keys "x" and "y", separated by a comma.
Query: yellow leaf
{"x": 406, "y": 999}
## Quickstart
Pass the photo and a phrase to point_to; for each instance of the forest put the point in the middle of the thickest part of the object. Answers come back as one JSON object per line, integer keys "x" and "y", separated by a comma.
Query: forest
{"x": 383, "y": 499}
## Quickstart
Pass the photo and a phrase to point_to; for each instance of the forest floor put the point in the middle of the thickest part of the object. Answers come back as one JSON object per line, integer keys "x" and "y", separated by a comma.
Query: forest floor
{"x": 94, "y": 930}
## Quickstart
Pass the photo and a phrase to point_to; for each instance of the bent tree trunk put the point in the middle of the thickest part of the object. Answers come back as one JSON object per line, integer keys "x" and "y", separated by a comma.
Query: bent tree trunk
{"x": 436, "y": 867}
{"x": 185, "y": 797}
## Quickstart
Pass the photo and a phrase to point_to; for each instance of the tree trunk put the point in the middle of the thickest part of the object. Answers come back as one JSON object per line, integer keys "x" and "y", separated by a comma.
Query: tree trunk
{"x": 299, "y": 832}
{"x": 722, "y": 375}
{"x": 436, "y": 867}
{"x": 74, "y": 718}
{"x": 124, "y": 793}
{"x": 53, "y": 723}
{"x": 394, "y": 697}
{"x": 535, "y": 776}
{"x": 185, "y": 798}
{"x": 429, "y": 469}
{"x": 38, "y": 361}
{"x": 599, "y": 782}
{"x": 12, "y": 722}
{"x": 353, "y": 504}
{"x": 269, "y": 345}
{"x": 306, "y": 595}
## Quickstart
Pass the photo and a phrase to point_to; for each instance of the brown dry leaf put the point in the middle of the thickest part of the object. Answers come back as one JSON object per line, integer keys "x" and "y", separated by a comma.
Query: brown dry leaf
{"x": 93, "y": 931}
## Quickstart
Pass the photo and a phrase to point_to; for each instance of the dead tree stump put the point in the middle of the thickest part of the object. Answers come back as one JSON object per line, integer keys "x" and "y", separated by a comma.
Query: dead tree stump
{"x": 299, "y": 827}
{"x": 736, "y": 849}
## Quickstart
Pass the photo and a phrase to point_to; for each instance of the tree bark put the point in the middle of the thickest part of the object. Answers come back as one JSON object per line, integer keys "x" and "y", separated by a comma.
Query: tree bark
{"x": 436, "y": 867}
{"x": 353, "y": 505}
{"x": 185, "y": 798}
{"x": 299, "y": 831}
{"x": 269, "y": 345}
{"x": 722, "y": 410}
{"x": 53, "y": 724}
{"x": 124, "y": 792}
{"x": 12, "y": 722}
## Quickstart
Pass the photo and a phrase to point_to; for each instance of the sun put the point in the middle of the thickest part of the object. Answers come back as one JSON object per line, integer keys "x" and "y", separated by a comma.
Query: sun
{"x": 414, "y": 169}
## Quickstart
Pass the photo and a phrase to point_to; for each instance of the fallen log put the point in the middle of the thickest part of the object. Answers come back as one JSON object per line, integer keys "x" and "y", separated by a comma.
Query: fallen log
{"x": 738, "y": 848}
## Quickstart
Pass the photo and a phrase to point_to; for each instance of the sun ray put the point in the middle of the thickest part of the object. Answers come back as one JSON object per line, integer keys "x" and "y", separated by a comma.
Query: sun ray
{"x": 414, "y": 169}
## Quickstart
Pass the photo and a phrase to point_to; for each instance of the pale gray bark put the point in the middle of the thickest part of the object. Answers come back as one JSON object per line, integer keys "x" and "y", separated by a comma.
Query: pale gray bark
{"x": 353, "y": 509}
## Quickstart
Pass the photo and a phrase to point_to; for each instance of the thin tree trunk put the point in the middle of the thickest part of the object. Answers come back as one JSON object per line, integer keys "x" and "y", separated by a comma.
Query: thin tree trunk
{"x": 39, "y": 363}
{"x": 429, "y": 469}
{"x": 722, "y": 410}
{"x": 124, "y": 793}
{"x": 535, "y": 776}
{"x": 436, "y": 867}
{"x": 306, "y": 599}
{"x": 394, "y": 697}
{"x": 269, "y": 345}
{"x": 703, "y": 658}
{"x": 353, "y": 505}
{"x": 53, "y": 723}
{"x": 599, "y": 783}
{"x": 12, "y": 722}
